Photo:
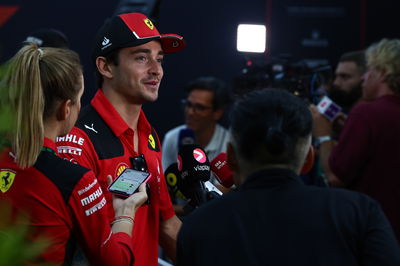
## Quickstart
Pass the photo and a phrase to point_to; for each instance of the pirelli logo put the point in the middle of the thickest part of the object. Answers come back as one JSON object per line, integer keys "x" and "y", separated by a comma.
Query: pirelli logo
{"x": 96, "y": 207}
{"x": 69, "y": 150}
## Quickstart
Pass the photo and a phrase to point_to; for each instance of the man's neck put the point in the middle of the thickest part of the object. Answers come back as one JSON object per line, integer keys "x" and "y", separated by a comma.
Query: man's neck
{"x": 205, "y": 135}
{"x": 128, "y": 111}
{"x": 384, "y": 90}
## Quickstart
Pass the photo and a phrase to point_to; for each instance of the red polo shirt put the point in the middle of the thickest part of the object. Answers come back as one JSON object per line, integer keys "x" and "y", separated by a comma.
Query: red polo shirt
{"x": 103, "y": 142}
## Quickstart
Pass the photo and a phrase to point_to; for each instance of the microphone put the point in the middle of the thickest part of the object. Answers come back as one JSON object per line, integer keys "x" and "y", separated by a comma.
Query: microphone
{"x": 328, "y": 108}
{"x": 219, "y": 166}
{"x": 194, "y": 167}
{"x": 173, "y": 178}
{"x": 185, "y": 137}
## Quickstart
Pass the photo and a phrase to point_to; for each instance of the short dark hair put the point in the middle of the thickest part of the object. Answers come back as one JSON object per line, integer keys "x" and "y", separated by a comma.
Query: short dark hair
{"x": 267, "y": 124}
{"x": 358, "y": 57}
{"x": 222, "y": 94}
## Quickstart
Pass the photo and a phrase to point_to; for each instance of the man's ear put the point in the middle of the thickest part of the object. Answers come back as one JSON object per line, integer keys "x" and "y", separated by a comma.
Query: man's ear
{"x": 103, "y": 67}
{"x": 309, "y": 161}
{"x": 231, "y": 158}
{"x": 64, "y": 110}
{"x": 218, "y": 114}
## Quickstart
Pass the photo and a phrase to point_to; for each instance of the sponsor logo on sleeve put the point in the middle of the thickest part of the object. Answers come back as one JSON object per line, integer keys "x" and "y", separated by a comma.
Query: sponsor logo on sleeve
{"x": 96, "y": 207}
{"x": 92, "y": 197}
{"x": 7, "y": 177}
{"x": 87, "y": 188}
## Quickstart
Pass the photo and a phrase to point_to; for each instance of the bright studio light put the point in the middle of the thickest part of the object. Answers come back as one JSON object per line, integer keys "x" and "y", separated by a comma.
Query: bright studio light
{"x": 251, "y": 38}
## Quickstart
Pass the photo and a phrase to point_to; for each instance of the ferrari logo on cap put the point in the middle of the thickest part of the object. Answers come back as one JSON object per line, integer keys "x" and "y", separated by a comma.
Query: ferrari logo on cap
{"x": 6, "y": 179}
{"x": 149, "y": 23}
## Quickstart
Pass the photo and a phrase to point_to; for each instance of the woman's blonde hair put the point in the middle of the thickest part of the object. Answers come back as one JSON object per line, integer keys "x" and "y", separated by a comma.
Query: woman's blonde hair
{"x": 38, "y": 79}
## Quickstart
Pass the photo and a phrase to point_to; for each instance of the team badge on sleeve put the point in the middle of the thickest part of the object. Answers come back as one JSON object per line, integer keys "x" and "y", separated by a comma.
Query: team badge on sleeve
{"x": 6, "y": 179}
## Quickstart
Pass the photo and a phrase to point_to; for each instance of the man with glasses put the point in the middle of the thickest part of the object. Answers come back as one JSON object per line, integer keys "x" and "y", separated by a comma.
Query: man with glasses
{"x": 207, "y": 99}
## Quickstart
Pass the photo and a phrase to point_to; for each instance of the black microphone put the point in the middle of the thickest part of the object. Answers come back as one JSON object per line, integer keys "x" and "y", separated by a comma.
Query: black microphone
{"x": 185, "y": 137}
{"x": 194, "y": 167}
{"x": 173, "y": 178}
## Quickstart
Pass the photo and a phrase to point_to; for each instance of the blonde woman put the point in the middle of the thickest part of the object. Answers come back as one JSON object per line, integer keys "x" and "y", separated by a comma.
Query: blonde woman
{"x": 63, "y": 201}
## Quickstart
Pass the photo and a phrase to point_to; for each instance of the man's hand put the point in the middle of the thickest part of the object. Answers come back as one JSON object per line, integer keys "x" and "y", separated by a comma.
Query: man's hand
{"x": 322, "y": 126}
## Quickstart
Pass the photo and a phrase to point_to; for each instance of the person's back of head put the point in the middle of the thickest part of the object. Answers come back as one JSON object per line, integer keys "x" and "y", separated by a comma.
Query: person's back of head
{"x": 270, "y": 128}
{"x": 384, "y": 56}
{"x": 47, "y": 37}
{"x": 36, "y": 82}
{"x": 222, "y": 94}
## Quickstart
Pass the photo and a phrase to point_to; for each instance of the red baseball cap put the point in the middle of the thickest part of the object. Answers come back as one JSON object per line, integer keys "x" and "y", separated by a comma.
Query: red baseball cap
{"x": 132, "y": 29}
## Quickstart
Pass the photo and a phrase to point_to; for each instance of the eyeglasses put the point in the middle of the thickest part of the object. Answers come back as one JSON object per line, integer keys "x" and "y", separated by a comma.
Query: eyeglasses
{"x": 139, "y": 163}
{"x": 197, "y": 108}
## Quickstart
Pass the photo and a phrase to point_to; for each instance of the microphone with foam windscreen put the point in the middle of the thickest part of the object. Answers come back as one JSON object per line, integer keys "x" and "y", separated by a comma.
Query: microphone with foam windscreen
{"x": 219, "y": 166}
{"x": 194, "y": 167}
{"x": 186, "y": 137}
{"x": 173, "y": 178}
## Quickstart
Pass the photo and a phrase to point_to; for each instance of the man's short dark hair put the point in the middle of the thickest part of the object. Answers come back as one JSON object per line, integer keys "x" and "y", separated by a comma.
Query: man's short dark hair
{"x": 222, "y": 94}
{"x": 267, "y": 125}
{"x": 358, "y": 57}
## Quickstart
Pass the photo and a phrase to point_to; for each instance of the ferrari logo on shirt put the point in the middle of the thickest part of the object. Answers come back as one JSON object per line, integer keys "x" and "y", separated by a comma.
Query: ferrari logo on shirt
{"x": 6, "y": 179}
{"x": 149, "y": 23}
{"x": 153, "y": 142}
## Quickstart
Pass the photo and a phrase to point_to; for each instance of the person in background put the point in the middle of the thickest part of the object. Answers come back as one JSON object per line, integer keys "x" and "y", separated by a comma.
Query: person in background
{"x": 365, "y": 158}
{"x": 60, "y": 200}
{"x": 206, "y": 101}
{"x": 113, "y": 133}
{"x": 273, "y": 218}
{"x": 347, "y": 90}
{"x": 48, "y": 37}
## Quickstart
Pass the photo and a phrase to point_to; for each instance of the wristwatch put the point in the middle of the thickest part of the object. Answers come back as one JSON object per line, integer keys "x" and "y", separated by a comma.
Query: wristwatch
{"x": 322, "y": 139}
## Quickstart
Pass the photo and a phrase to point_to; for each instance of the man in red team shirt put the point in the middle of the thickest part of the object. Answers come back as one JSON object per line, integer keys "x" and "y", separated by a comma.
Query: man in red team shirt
{"x": 113, "y": 132}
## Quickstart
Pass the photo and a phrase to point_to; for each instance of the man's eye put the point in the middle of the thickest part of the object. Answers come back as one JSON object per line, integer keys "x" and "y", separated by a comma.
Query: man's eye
{"x": 160, "y": 60}
{"x": 141, "y": 58}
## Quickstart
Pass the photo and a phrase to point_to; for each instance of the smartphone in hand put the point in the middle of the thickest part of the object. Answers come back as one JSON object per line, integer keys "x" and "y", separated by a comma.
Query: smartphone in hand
{"x": 128, "y": 182}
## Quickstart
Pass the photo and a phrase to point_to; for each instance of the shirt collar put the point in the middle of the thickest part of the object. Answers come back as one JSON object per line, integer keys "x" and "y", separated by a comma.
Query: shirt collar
{"x": 270, "y": 178}
{"x": 50, "y": 144}
{"x": 111, "y": 116}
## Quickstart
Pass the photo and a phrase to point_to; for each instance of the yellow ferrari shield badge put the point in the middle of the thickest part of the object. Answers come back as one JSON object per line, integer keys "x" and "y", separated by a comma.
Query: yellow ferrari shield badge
{"x": 152, "y": 142}
{"x": 149, "y": 23}
{"x": 6, "y": 179}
